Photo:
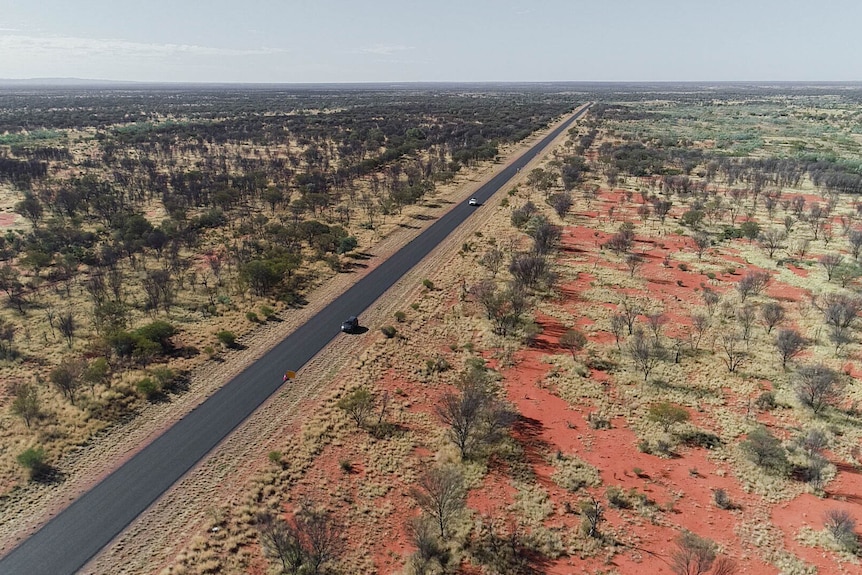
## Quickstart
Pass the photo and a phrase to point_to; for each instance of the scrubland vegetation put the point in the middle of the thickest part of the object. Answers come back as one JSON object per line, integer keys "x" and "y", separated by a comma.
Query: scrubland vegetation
{"x": 644, "y": 356}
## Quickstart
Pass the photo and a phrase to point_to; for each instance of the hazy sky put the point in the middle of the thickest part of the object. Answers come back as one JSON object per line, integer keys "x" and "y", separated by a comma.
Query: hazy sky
{"x": 431, "y": 40}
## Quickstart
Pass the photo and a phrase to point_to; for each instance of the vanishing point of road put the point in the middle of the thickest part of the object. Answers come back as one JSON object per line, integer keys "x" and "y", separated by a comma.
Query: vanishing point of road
{"x": 65, "y": 544}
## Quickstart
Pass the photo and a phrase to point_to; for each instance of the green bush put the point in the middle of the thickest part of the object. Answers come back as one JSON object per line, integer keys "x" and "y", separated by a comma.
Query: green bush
{"x": 765, "y": 450}
{"x": 148, "y": 388}
{"x": 226, "y": 338}
{"x": 267, "y": 312}
{"x": 389, "y": 331}
{"x": 252, "y": 317}
{"x": 428, "y": 284}
{"x": 400, "y": 316}
{"x": 35, "y": 461}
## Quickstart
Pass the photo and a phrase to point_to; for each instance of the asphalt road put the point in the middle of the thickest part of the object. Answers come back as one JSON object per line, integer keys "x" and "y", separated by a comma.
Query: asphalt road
{"x": 65, "y": 544}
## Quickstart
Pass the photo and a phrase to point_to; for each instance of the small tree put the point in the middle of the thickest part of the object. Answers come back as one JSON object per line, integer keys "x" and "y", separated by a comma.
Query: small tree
{"x": 772, "y": 240}
{"x": 854, "y": 237}
{"x": 771, "y": 314}
{"x": 26, "y": 403}
{"x": 842, "y": 527}
{"x": 439, "y": 492}
{"x": 733, "y": 353}
{"x": 765, "y": 450}
{"x": 818, "y": 386}
{"x": 702, "y": 242}
{"x": 593, "y": 514}
{"x": 789, "y": 344}
{"x": 67, "y": 378}
{"x": 695, "y": 555}
{"x": 752, "y": 283}
{"x": 358, "y": 404}
{"x": 321, "y": 537}
{"x": 830, "y": 263}
{"x": 280, "y": 540}
{"x": 667, "y": 414}
{"x": 634, "y": 262}
{"x": 645, "y": 352}
{"x": 67, "y": 326}
{"x": 36, "y": 462}
{"x": 573, "y": 341}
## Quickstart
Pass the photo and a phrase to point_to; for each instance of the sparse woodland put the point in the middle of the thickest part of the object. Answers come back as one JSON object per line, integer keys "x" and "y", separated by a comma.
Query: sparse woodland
{"x": 644, "y": 357}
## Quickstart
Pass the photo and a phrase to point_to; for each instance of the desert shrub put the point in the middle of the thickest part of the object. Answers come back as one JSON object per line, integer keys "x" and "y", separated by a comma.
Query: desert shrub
{"x": 267, "y": 312}
{"x": 600, "y": 363}
{"x": 400, "y": 316}
{"x": 683, "y": 267}
{"x": 667, "y": 414}
{"x": 275, "y": 457}
{"x": 346, "y": 466}
{"x": 766, "y": 451}
{"x": 842, "y": 527}
{"x": 617, "y": 498}
{"x": 722, "y": 499}
{"x": 35, "y": 461}
{"x": 226, "y": 338}
{"x": 429, "y": 285}
{"x": 389, "y": 331}
{"x": 695, "y": 555}
{"x": 252, "y": 317}
{"x": 148, "y": 388}
{"x": 522, "y": 215}
{"x": 699, "y": 438}
{"x": 574, "y": 473}
{"x": 598, "y": 421}
{"x": 765, "y": 401}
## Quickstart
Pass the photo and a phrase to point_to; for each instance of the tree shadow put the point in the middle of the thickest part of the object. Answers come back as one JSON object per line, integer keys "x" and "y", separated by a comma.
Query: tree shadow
{"x": 423, "y": 217}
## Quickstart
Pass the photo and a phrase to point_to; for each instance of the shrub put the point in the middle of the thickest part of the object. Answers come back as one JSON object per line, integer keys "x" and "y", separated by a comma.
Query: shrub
{"x": 667, "y": 414}
{"x": 275, "y": 457}
{"x": 35, "y": 461}
{"x": 842, "y": 527}
{"x": 267, "y": 312}
{"x": 346, "y": 466}
{"x": 389, "y": 331}
{"x": 765, "y": 401}
{"x": 700, "y": 438}
{"x": 251, "y": 316}
{"x": 429, "y": 285}
{"x": 617, "y": 498}
{"x": 148, "y": 388}
{"x": 722, "y": 499}
{"x": 400, "y": 316}
{"x": 765, "y": 450}
{"x": 226, "y": 338}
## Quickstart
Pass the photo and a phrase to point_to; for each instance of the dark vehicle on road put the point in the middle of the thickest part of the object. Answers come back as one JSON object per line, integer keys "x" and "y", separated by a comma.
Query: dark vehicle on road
{"x": 350, "y": 324}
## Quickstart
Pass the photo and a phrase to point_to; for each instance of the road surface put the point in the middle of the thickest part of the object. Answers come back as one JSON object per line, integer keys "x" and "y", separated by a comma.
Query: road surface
{"x": 65, "y": 544}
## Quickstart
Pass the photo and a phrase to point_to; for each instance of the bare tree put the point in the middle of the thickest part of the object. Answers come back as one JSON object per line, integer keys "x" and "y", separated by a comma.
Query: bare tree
{"x": 830, "y": 263}
{"x": 593, "y": 514}
{"x": 695, "y": 555}
{"x": 842, "y": 527}
{"x": 789, "y": 344}
{"x": 656, "y": 322}
{"x": 840, "y": 312}
{"x": 630, "y": 310}
{"x": 428, "y": 547}
{"x": 710, "y": 299}
{"x": 646, "y": 353}
{"x": 474, "y": 417}
{"x": 854, "y": 237}
{"x": 634, "y": 262}
{"x": 439, "y": 492}
{"x": 699, "y": 327}
{"x": 618, "y": 326}
{"x": 746, "y": 314}
{"x": 492, "y": 259}
{"x": 321, "y": 536}
{"x": 733, "y": 353}
{"x": 281, "y": 540}
{"x": 752, "y": 283}
{"x": 771, "y": 314}
{"x": 772, "y": 240}
{"x": 818, "y": 386}
{"x": 67, "y": 325}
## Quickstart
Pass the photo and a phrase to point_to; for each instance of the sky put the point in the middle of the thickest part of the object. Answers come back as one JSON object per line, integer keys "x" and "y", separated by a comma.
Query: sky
{"x": 314, "y": 41}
